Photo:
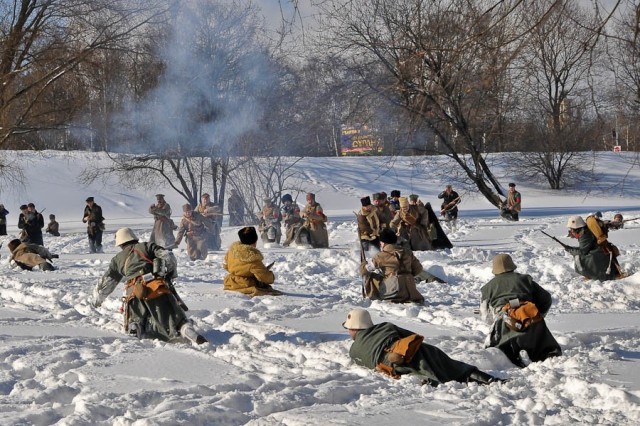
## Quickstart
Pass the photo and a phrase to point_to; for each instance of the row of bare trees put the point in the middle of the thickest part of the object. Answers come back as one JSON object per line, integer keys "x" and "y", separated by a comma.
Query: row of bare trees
{"x": 192, "y": 92}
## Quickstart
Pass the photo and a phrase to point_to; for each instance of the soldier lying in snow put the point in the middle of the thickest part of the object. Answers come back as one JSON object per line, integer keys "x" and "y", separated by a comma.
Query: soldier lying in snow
{"x": 28, "y": 256}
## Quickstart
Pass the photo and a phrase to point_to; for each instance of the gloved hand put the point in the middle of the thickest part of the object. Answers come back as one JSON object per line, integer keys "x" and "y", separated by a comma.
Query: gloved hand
{"x": 96, "y": 299}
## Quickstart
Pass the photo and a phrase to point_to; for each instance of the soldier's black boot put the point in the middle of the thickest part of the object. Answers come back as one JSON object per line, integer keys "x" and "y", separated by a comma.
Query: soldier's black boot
{"x": 483, "y": 378}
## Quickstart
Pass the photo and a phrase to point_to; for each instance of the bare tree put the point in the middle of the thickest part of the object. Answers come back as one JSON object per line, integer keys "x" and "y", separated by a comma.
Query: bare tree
{"x": 444, "y": 62}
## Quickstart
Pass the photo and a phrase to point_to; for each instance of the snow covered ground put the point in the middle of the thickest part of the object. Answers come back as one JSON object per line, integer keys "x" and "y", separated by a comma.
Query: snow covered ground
{"x": 284, "y": 360}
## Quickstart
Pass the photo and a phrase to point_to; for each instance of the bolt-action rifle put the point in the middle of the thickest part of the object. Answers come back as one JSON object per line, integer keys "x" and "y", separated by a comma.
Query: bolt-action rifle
{"x": 556, "y": 240}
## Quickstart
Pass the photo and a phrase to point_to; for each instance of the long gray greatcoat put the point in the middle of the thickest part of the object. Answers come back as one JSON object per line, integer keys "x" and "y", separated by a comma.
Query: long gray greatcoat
{"x": 162, "y": 233}
{"x": 537, "y": 340}
{"x": 429, "y": 362}
{"x": 394, "y": 260}
{"x": 159, "y": 318}
{"x": 590, "y": 259}
{"x": 194, "y": 231}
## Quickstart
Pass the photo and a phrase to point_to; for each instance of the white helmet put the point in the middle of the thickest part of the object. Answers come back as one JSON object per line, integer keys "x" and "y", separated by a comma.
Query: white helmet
{"x": 124, "y": 235}
{"x": 358, "y": 319}
{"x": 576, "y": 222}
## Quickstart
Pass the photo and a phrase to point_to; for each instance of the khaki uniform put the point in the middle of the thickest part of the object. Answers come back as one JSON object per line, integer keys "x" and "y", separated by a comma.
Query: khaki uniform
{"x": 53, "y": 228}
{"x": 29, "y": 256}
{"x": 193, "y": 229}
{"x": 163, "y": 226}
{"x": 270, "y": 216}
{"x": 316, "y": 222}
{"x": 412, "y": 226}
{"x": 384, "y": 215}
{"x": 247, "y": 272}
{"x": 211, "y": 213}
{"x": 395, "y": 261}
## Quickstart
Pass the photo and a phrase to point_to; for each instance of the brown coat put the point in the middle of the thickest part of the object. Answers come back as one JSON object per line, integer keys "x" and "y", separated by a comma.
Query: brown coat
{"x": 247, "y": 272}
{"x": 162, "y": 233}
{"x": 395, "y": 260}
{"x": 194, "y": 231}
{"x": 368, "y": 224}
{"x": 31, "y": 255}
{"x": 315, "y": 221}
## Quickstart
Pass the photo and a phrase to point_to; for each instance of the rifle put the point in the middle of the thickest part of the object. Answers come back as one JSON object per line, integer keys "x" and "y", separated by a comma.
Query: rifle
{"x": 363, "y": 256}
{"x": 556, "y": 240}
{"x": 450, "y": 205}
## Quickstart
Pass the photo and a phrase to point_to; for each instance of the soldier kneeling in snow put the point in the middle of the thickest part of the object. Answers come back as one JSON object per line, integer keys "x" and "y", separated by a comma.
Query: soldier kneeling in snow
{"x": 247, "y": 272}
{"x": 516, "y": 305}
{"x": 28, "y": 256}
{"x": 395, "y": 351}
{"x": 151, "y": 310}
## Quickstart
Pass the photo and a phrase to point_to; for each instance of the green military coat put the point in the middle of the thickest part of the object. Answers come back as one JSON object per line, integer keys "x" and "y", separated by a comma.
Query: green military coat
{"x": 537, "y": 340}
{"x": 429, "y": 362}
{"x": 590, "y": 259}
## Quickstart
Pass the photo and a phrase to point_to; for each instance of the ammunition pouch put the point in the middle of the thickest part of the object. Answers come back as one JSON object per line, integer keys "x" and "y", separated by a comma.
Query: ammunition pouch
{"x": 146, "y": 290}
{"x": 400, "y": 352}
{"x": 520, "y": 318}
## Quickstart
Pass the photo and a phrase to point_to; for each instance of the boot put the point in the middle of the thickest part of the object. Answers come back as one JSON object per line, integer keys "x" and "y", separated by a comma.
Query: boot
{"x": 483, "y": 378}
{"x": 188, "y": 332}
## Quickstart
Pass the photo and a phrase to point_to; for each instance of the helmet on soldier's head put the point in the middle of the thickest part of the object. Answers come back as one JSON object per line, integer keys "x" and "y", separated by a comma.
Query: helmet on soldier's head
{"x": 125, "y": 235}
{"x": 358, "y": 319}
{"x": 576, "y": 222}
{"x": 503, "y": 263}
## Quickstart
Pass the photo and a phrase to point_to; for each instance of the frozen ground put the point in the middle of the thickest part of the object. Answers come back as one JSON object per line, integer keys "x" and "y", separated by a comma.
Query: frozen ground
{"x": 285, "y": 360}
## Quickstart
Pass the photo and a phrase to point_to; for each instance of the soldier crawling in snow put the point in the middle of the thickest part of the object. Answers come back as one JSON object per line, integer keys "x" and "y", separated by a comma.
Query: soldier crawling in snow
{"x": 29, "y": 256}
{"x": 150, "y": 308}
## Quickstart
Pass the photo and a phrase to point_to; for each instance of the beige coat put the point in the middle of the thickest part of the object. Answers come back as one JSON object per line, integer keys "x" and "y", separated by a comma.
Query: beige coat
{"x": 163, "y": 226}
{"x": 316, "y": 222}
{"x": 194, "y": 231}
{"x": 413, "y": 227}
{"x": 247, "y": 272}
{"x": 395, "y": 260}
{"x": 368, "y": 224}
{"x": 31, "y": 255}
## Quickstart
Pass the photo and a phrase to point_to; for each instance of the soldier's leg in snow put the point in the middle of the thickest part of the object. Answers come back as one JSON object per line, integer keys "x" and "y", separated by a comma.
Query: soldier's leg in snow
{"x": 98, "y": 240}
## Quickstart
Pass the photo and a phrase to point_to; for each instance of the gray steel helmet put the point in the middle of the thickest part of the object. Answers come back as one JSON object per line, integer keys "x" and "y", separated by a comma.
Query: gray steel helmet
{"x": 358, "y": 319}
{"x": 503, "y": 263}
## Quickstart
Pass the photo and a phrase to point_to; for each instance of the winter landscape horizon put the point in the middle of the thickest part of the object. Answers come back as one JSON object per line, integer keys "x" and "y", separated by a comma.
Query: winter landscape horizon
{"x": 284, "y": 360}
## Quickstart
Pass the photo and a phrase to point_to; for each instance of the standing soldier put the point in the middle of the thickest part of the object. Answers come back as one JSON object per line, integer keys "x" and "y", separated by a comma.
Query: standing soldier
{"x": 270, "y": 219}
{"x": 316, "y": 222}
{"x": 163, "y": 226}
{"x": 394, "y": 202}
{"x": 211, "y": 213}
{"x": 411, "y": 224}
{"x": 53, "y": 227}
{"x": 369, "y": 226}
{"x": 192, "y": 226}
{"x": 3, "y": 220}
{"x": 449, "y": 207}
{"x": 514, "y": 200}
{"x": 150, "y": 308}
{"x": 236, "y": 209}
{"x": 291, "y": 218}
{"x": 382, "y": 209}
{"x": 31, "y": 222}
{"x": 95, "y": 225}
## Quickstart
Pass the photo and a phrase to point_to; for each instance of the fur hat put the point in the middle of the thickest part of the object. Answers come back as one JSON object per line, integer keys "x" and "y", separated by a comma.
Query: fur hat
{"x": 23, "y": 207}
{"x": 33, "y": 206}
{"x": 413, "y": 197}
{"x": 248, "y": 235}
{"x": 404, "y": 202}
{"x": 13, "y": 244}
{"x": 395, "y": 193}
{"x": 52, "y": 216}
{"x": 160, "y": 196}
{"x": 89, "y": 199}
{"x": 387, "y": 236}
{"x": 512, "y": 185}
{"x": 365, "y": 201}
{"x": 358, "y": 319}
{"x": 287, "y": 197}
{"x": 503, "y": 263}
